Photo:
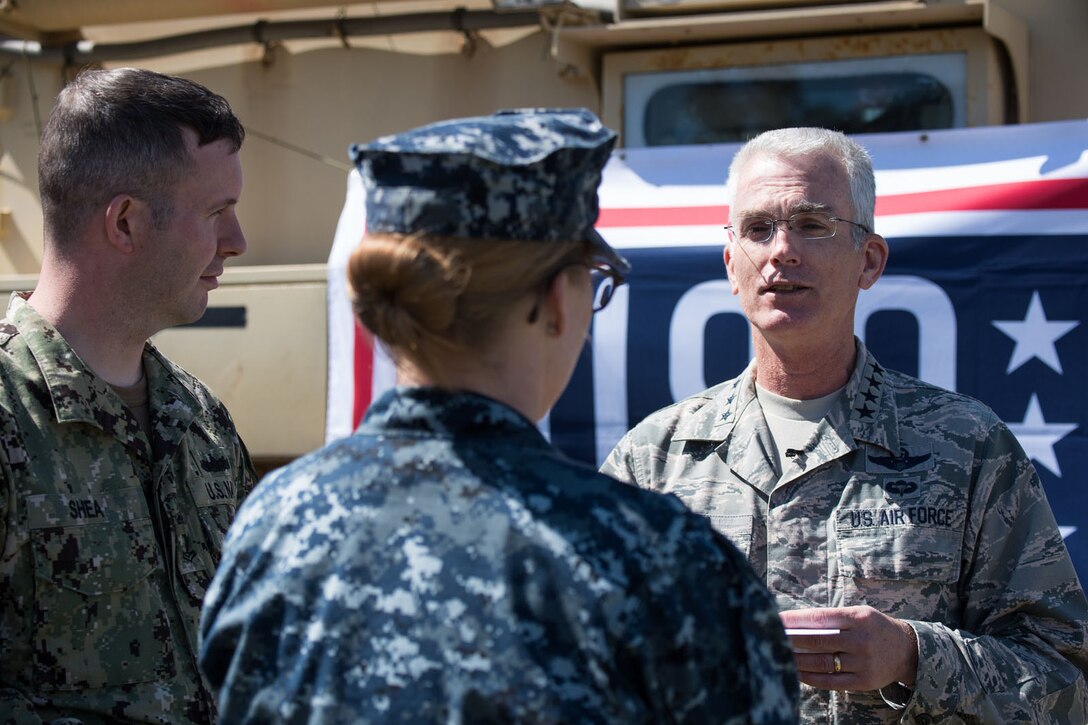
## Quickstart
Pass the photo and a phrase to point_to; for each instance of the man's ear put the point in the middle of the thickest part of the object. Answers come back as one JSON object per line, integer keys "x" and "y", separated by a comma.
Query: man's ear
{"x": 875, "y": 252}
{"x": 125, "y": 218}
{"x": 727, "y": 256}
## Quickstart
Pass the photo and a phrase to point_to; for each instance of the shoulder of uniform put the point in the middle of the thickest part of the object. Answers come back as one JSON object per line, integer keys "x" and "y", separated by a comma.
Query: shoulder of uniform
{"x": 192, "y": 383}
{"x": 670, "y": 417}
{"x": 715, "y": 395}
{"x": 912, "y": 392}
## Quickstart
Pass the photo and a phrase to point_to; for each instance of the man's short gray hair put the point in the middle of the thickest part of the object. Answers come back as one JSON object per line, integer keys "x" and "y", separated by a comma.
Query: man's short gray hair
{"x": 801, "y": 142}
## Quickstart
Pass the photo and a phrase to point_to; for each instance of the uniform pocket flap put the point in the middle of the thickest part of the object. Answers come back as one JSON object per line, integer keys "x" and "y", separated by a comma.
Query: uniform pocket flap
{"x": 92, "y": 543}
{"x": 916, "y": 553}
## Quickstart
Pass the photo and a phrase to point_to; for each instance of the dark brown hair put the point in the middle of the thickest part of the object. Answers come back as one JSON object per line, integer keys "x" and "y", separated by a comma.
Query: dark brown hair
{"x": 119, "y": 132}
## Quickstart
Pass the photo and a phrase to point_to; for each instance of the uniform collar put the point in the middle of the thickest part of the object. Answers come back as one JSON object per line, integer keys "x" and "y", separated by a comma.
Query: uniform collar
{"x": 79, "y": 395}
{"x": 449, "y": 414}
{"x": 872, "y": 415}
{"x": 717, "y": 409}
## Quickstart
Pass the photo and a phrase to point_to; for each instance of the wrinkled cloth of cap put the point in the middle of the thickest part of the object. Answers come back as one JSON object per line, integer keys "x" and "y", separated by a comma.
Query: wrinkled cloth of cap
{"x": 527, "y": 175}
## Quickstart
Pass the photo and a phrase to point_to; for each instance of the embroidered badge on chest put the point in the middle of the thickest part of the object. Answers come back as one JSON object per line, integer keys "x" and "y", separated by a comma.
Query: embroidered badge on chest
{"x": 915, "y": 458}
{"x": 900, "y": 488}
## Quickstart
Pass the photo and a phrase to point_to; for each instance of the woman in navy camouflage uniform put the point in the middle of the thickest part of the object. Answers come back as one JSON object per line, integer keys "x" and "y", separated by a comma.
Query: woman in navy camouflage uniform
{"x": 445, "y": 563}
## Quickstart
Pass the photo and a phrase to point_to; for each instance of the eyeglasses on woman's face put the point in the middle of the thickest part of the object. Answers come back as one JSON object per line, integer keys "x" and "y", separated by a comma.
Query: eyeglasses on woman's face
{"x": 605, "y": 280}
{"x": 603, "y": 276}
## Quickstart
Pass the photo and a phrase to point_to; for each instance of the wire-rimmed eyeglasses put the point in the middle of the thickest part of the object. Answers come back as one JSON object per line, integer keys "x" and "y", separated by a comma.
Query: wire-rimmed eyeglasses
{"x": 806, "y": 225}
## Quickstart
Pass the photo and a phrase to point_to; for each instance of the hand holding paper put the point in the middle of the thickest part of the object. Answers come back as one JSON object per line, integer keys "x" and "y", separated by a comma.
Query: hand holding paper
{"x": 851, "y": 648}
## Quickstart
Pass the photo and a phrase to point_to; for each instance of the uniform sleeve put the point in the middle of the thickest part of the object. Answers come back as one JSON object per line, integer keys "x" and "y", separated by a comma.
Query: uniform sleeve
{"x": 231, "y": 611}
{"x": 13, "y": 703}
{"x": 1021, "y": 655}
{"x": 721, "y": 653}
{"x": 248, "y": 472}
{"x": 620, "y": 463}
{"x": 241, "y": 465}
{"x": 642, "y": 456}
{"x": 7, "y": 497}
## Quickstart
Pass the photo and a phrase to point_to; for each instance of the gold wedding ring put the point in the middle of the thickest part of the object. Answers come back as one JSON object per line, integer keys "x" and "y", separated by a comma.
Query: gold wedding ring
{"x": 838, "y": 665}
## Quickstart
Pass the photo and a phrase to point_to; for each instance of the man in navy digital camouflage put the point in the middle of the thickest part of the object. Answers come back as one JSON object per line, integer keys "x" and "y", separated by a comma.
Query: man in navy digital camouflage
{"x": 119, "y": 472}
{"x": 445, "y": 563}
{"x": 901, "y": 514}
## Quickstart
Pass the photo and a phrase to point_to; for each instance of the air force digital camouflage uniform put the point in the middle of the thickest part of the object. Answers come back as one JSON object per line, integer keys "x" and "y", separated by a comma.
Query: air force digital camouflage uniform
{"x": 912, "y": 499}
{"x": 447, "y": 564}
{"x": 108, "y": 544}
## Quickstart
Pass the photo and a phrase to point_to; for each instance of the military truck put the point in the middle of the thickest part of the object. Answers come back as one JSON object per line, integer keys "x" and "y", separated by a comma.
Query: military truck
{"x": 308, "y": 79}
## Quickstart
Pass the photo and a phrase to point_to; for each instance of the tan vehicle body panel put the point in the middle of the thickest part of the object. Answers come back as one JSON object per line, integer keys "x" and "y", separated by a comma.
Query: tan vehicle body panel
{"x": 305, "y": 100}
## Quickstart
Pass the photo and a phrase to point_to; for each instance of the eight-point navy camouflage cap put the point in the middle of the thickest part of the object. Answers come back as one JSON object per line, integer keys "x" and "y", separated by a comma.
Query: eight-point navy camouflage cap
{"x": 529, "y": 174}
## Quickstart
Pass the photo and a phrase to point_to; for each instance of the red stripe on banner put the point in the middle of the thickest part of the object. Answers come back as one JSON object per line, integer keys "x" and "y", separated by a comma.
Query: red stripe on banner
{"x": 364, "y": 374}
{"x": 1041, "y": 194}
{"x": 682, "y": 216}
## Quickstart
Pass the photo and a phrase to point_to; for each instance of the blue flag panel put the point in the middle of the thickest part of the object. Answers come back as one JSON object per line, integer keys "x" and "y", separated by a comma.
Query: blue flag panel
{"x": 998, "y": 318}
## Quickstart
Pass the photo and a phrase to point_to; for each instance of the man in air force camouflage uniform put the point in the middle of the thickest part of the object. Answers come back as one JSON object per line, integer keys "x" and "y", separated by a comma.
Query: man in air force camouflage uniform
{"x": 119, "y": 472}
{"x": 445, "y": 563}
{"x": 904, "y": 515}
